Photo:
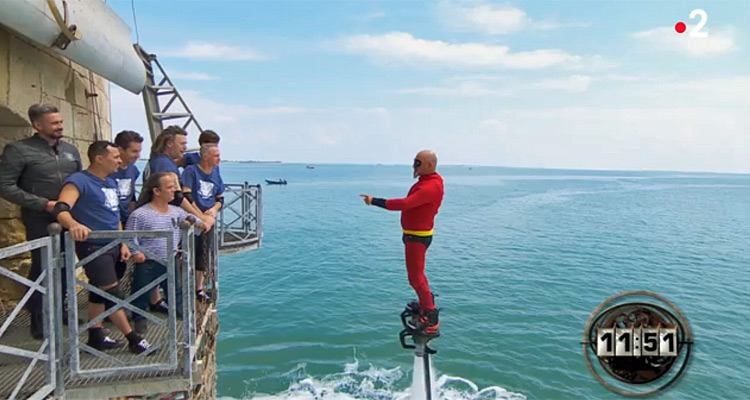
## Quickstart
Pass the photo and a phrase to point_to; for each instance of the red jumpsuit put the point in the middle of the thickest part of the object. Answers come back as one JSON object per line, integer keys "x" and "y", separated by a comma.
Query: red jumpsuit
{"x": 418, "y": 212}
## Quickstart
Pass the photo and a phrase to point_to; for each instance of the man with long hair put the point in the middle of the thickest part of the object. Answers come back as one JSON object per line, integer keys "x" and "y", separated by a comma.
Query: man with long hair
{"x": 153, "y": 213}
{"x": 170, "y": 145}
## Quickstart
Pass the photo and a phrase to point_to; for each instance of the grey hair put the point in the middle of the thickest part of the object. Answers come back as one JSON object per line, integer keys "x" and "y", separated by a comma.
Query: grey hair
{"x": 206, "y": 147}
{"x": 37, "y": 111}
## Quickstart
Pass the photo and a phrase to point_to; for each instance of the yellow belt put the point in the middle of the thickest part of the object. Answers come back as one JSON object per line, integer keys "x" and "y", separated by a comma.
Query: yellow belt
{"x": 418, "y": 233}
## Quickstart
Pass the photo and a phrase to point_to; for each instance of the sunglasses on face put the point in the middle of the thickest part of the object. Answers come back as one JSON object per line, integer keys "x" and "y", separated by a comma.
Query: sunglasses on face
{"x": 417, "y": 163}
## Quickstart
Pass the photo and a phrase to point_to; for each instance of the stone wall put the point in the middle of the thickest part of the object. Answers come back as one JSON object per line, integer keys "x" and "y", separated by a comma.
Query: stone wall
{"x": 206, "y": 390}
{"x": 28, "y": 75}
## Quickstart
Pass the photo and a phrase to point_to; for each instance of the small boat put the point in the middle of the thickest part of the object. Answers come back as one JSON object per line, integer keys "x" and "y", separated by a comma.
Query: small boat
{"x": 276, "y": 182}
{"x": 309, "y": 167}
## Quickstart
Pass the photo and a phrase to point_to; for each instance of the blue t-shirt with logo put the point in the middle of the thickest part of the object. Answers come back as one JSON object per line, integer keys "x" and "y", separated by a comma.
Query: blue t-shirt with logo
{"x": 98, "y": 205}
{"x": 161, "y": 163}
{"x": 125, "y": 179}
{"x": 205, "y": 187}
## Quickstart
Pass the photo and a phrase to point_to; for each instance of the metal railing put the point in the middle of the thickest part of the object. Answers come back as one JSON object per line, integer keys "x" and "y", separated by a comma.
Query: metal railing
{"x": 240, "y": 221}
{"x": 241, "y": 217}
{"x": 132, "y": 364}
{"x": 47, "y": 351}
{"x": 181, "y": 343}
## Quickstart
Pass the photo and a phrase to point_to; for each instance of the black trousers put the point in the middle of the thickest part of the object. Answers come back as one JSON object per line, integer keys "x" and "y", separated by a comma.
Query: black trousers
{"x": 36, "y": 227}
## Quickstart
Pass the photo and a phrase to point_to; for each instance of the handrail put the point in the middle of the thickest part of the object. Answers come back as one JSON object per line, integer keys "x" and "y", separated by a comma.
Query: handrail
{"x": 47, "y": 351}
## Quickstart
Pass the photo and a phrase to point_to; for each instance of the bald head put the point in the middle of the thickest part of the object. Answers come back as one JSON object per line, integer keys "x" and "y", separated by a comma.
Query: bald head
{"x": 425, "y": 163}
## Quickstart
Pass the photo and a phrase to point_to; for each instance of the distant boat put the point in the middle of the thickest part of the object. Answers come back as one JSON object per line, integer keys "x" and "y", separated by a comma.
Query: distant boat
{"x": 276, "y": 182}
{"x": 309, "y": 167}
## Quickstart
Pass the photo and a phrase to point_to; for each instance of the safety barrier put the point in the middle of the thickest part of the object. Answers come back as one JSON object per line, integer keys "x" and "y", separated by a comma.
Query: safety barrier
{"x": 26, "y": 382}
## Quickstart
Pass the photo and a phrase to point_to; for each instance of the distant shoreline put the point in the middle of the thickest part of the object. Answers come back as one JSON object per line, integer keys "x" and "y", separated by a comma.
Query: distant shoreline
{"x": 605, "y": 170}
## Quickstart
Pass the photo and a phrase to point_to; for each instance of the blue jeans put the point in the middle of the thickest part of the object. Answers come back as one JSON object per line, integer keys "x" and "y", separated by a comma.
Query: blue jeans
{"x": 146, "y": 273}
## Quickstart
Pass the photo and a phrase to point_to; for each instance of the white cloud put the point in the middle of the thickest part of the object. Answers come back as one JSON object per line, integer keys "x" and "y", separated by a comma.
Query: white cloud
{"x": 463, "y": 89}
{"x": 573, "y": 83}
{"x": 214, "y": 51}
{"x": 494, "y": 19}
{"x": 694, "y": 139}
{"x": 373, "y": 16}
{"x": 281, "y": 132}
{"x": 718, "y": 41}
{"x": 547, "y": 25}
{"x": 488, "y": 18}
{"x": 191, "y": 76}
{"x": 487, "y": 85}
{"x": 495, "y": 126}
{"x": 401, "y": 46}
{"x": 593, "y": 63}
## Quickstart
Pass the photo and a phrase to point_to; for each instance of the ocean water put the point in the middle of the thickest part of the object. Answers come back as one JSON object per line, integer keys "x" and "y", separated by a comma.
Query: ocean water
{"x": 520, "y": 259}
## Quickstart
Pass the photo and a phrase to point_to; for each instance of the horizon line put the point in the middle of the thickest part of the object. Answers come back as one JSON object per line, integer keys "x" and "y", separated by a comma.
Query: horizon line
{"x": 491, "y": 166}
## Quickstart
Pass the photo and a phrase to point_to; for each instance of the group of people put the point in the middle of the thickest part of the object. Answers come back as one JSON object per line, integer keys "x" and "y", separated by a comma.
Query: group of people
{"x": 44, "y": 175}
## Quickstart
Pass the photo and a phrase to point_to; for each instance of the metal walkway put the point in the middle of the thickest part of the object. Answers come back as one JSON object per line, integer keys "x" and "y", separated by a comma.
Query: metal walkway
{"x": 12, "y": 368}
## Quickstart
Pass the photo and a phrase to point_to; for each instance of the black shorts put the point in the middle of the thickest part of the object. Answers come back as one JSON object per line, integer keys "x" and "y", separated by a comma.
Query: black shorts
{"x": 202, "y": 246}
{"x": 101, "y": 270}
{"x": 425, "y": 240}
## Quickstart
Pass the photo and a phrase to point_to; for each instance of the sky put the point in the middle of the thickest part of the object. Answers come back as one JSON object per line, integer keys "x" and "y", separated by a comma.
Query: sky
{"x": 547, "y": 84}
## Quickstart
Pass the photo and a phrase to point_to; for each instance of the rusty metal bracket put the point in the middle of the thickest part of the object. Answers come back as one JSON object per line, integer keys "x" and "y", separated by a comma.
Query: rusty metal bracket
{"x": 68, "y": 33}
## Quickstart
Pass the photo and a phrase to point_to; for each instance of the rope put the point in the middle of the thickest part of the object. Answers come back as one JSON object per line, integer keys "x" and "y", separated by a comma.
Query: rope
{"x": 135, "y": 22}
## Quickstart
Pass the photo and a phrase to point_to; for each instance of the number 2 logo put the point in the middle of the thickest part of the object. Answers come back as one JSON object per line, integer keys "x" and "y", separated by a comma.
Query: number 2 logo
{"x": 696, "y": 32}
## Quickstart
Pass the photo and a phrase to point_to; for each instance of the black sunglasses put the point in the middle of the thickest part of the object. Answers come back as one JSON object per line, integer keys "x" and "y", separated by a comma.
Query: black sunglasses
{"x": 417, "y": 163}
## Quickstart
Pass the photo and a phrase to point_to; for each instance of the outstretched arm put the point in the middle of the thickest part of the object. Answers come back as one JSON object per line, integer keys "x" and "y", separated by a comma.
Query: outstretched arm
{"x": 416, "y": 199}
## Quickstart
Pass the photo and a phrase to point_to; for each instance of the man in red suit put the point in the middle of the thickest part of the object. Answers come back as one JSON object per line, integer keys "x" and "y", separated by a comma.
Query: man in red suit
{"x": 418, "y": 212}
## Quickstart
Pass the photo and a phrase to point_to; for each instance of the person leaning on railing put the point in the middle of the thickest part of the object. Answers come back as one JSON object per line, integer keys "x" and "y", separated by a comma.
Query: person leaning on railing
{"x": 202, "y": 185}
{"x": 170, "y": 145}
{"x": 89, "y": 201}
{"x": 154, "y": 213}
{"x": 32, "y": 172}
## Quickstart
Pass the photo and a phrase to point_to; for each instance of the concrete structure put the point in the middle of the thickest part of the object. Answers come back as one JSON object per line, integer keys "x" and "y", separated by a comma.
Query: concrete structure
{"x": 28, "y": 75}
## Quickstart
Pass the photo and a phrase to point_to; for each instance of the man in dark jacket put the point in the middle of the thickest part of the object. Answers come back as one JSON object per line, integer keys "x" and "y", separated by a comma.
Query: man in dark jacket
{"x": 32, "y": 172}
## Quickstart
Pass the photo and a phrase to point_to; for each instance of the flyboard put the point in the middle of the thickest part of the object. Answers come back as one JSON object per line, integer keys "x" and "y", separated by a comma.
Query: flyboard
{"x": 423, "y": 378}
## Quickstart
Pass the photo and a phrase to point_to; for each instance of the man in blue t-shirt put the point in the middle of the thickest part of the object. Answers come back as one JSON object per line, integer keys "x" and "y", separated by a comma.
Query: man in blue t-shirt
{"x": 202, "y": 185}
{"x": 169, "y": 146}
{"x": 129, "y": 144}
{"x": 194, "y": 157}
{"x": 88, "y": 201}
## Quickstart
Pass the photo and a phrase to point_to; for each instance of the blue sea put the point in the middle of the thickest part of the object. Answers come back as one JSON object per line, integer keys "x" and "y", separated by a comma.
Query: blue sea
{"x": 520, "y": 259}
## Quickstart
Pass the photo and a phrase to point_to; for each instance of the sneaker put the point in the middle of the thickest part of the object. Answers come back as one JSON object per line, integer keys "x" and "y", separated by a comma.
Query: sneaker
{"x": 140, "y": 346}
{"x": 105, "y": 343}
{"x": 160, "y": 306}
{"x": 140, "y": 326}
{"x": 202, "y": 296}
